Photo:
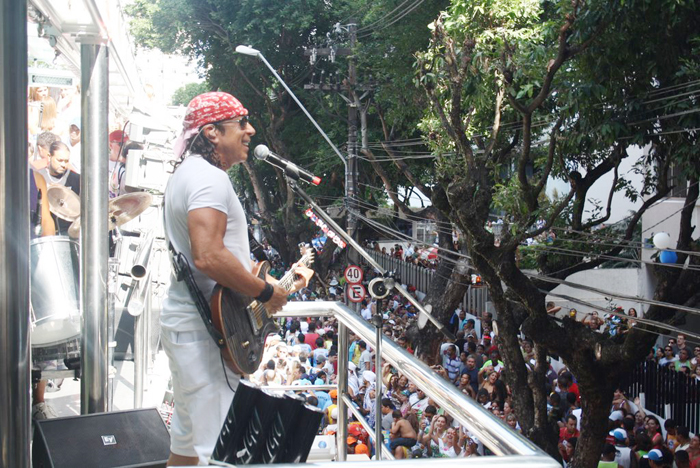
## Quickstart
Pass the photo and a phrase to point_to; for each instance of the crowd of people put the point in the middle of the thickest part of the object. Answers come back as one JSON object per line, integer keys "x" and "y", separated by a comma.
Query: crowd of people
{"x": 415, "y": 426}
{"x": 426, "y": 257}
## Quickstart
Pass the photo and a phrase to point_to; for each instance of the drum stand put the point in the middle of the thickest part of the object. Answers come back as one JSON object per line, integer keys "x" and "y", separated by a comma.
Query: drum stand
{"x": 112, "y": 286}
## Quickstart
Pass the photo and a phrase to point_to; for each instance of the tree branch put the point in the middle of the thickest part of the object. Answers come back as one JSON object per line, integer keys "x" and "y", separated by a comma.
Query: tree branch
{"x": 597, "y": 222}
{"x": 496, "y": 123}
{"x": 550, "y": 157}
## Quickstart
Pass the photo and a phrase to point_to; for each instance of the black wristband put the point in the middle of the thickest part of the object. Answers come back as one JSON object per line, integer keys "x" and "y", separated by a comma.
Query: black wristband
{"x": 266, "y": 293}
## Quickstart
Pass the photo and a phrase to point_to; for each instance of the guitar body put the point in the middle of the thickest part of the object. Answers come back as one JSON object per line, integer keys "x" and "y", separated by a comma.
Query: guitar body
{"x": 244, "y": 324}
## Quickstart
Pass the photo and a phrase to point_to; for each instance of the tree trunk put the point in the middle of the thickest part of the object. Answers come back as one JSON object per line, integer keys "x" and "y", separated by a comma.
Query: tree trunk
{"x": 446, "y": 292}
{"x": 596, "y": 398}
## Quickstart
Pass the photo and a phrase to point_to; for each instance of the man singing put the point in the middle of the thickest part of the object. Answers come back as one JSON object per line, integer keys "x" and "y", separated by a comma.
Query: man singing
{"x": 204, "y": 221}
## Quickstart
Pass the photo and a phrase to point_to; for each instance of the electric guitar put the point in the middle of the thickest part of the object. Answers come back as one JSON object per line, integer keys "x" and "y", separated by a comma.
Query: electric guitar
{"x": 244, "y": 322}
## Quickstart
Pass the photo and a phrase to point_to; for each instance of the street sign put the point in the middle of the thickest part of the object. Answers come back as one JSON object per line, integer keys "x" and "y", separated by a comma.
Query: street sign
{"x": 355, "y": 292}
{"x": 353, "y": 274}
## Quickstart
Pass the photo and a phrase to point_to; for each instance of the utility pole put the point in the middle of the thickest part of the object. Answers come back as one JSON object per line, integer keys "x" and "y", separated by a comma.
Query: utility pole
{"x": 347, "y": 89}
{"x": 351, "y": 177}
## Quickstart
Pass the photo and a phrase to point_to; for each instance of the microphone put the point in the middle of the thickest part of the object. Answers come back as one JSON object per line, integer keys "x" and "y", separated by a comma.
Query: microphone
{"x": 263, "y": 153}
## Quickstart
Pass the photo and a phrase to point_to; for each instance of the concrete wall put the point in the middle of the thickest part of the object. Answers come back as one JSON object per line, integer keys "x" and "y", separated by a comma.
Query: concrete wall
{"x": 619, "y": 280}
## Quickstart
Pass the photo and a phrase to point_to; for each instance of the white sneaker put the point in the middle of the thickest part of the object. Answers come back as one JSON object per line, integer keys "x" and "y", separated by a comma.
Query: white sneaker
{"x": 43, "y": 411}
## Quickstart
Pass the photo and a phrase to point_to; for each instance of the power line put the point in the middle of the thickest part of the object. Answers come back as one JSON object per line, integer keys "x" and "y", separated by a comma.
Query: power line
{"x": 544, "y": 277}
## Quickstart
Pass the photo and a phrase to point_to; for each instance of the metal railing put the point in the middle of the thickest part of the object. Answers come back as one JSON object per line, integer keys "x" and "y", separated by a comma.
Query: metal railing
{"x": 670, "y": 394}
{"x": 474, "y": 300}
{"x": 492, "y": 432}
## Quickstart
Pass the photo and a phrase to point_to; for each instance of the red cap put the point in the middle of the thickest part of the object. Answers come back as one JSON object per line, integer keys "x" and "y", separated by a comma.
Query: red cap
{"x": 118, "y": 136}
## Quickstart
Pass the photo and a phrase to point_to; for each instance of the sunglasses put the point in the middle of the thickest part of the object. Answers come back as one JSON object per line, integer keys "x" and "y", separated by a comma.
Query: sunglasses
{"x": 242, "y": 122}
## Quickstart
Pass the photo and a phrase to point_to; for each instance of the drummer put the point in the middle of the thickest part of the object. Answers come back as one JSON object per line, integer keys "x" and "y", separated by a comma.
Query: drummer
{"x": 58, "y": 173}
{"x": 42, "y": 225}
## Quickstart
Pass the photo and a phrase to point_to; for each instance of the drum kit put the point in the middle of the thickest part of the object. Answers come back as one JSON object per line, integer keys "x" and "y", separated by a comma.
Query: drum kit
{"x": 55, "y": 279}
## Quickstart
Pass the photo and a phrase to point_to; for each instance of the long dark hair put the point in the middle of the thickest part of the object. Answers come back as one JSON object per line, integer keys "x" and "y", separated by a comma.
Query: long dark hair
{"x": 201, "y": 145}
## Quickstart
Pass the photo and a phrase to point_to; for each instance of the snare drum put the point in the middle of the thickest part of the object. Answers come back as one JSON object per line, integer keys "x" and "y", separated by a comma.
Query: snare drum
{"x": 55, "y": 290}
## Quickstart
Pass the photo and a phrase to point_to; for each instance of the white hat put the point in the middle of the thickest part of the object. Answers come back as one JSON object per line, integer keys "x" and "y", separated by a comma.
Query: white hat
{"x": 616, "y": 416}
{"x": 369, "y": 376}
{"x": 334, "y": 282}
{"x": 351, "y": 366}
{"x": 304, "y": 327}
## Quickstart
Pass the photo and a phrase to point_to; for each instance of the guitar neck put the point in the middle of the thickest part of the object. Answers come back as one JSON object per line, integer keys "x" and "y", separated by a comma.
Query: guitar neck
{"x": 287, "y": 281}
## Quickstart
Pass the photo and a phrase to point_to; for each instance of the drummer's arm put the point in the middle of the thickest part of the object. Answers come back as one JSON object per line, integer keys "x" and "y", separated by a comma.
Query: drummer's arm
{"x": 48, "y": 227}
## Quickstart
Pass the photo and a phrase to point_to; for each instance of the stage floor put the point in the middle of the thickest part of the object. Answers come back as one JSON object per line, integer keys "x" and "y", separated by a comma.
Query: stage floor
{"x": 66, "y": 401}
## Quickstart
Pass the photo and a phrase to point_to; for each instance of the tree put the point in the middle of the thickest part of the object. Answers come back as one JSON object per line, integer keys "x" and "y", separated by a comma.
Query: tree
{"x": 210, "y": 31}
{"x": 523, "y": 91}
{"x": 182, "y": 96}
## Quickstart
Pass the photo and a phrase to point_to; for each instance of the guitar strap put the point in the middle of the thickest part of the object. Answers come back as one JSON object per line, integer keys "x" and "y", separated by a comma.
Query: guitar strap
{"x": 183, "y": 272}
{"x": 256, "y": 248}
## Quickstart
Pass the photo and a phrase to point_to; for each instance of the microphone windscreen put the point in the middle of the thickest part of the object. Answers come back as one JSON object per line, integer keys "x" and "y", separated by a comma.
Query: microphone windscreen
{"x": 261, "y": 152}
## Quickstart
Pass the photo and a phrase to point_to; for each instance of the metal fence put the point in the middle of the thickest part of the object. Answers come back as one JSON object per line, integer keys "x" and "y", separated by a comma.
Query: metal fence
{"x": 474, "y": 300}
{"x": 667, "y": 393}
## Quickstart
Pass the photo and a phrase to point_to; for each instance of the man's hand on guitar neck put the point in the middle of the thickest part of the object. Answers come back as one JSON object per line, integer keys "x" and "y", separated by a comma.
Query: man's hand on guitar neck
{"x": 302, "y": 277}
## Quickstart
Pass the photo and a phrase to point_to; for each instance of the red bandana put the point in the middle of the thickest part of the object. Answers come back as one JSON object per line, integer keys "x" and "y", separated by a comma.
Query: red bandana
{"x": 212, "y": 107}
{"x": 205, "y": 109}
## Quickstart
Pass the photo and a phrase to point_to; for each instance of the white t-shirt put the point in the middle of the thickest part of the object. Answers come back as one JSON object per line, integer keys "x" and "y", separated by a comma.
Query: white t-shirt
{"x": 197, "y": 184}
{"x": 365, "y": 357}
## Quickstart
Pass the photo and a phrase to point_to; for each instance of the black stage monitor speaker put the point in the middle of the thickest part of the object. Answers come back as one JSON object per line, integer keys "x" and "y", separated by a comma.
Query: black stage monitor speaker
{"x": 135, "y": 438}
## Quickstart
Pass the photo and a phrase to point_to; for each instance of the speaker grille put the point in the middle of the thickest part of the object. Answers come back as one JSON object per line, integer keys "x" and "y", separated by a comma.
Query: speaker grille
{"x": 118, "y": 439}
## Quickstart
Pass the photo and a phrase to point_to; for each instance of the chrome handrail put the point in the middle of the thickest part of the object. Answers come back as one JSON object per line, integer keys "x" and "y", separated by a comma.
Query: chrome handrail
{"x": 495, "y": 435}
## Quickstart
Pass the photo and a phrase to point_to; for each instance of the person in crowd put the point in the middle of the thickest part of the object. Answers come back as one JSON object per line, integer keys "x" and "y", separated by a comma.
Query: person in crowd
{"x": 569, "y": 430}
{"x": 607, "y": 458}
{"x": 43, "y": 145}
{"x": 438, "y": 430}
{"x": 623, "y": 455}
{"x": 57, "y": 172}
{"x": 682, "y": 438}
{"x": 655, "y": 457}
{"x": 694, "y": 451}
{"x": 669, "y": 357}
{"x": 653, "y": 430}
{"x": 117, "y": 181}
{"x": 365, "y": 363}
{"x": 683, "y": 360}
{"x": 402, "y": 434}
{"x": 37, "y": 97}
{"x": 73, "y": 142}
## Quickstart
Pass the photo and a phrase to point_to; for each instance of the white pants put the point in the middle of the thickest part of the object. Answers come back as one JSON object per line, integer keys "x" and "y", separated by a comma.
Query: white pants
{"x": 201, "y": 395}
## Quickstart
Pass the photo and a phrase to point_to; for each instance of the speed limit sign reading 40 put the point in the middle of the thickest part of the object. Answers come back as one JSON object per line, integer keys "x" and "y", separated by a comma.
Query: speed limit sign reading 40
{"x": 355, "y": 292}
{"x": 353, "y": 274}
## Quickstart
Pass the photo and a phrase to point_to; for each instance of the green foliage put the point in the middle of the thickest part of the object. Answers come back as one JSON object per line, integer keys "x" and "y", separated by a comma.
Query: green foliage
{"x": 182, "y": 96}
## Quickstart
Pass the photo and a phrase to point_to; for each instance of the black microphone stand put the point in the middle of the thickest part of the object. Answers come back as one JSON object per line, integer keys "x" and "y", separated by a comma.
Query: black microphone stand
{"x": 385, "y": 282}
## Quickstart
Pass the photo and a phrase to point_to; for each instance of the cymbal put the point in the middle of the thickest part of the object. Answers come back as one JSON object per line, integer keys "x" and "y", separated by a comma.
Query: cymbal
{"x": 74, "y": 229}
{"x": 63, "y": 202}
{"x": 126, "y": 207}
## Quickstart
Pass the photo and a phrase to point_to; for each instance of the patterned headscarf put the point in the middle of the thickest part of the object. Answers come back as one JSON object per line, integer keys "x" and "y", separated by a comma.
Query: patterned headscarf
{"x": 205, "y": 109}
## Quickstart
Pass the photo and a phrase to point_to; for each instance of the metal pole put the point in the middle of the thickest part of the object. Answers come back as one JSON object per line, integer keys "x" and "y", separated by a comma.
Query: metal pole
{"x": 343, "y": 358}
{"x": 94, "y": 225}
{"x": 140, "y": 306}
{"x": 15, "y": 428}
{"x": 377, "y": 321}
